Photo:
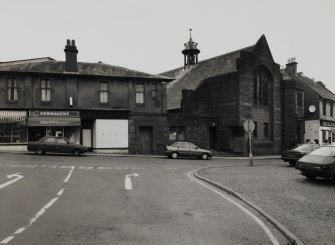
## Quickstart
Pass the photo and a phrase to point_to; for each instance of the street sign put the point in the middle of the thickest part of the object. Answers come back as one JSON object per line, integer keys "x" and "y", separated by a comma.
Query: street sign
{"x": 249, "y": 125}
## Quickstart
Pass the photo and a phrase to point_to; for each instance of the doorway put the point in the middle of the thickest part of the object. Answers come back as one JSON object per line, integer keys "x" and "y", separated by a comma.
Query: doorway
{"x": 212, "y": 137}
{"x": 145, "y": 135}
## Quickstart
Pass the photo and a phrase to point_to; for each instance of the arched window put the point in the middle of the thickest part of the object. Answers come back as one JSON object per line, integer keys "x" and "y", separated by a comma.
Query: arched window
{"x": 261, "y": 84}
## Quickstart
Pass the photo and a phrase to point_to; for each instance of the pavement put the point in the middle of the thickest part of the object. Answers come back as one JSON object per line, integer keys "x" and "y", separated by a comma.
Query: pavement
{"x": 301, "y": 209}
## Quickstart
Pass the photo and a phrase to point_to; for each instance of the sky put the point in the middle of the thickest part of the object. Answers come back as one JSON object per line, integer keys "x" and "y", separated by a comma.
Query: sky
{"x": 149, "y": 35}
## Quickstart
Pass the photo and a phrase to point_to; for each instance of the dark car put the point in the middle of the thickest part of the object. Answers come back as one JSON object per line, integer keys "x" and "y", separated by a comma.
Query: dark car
{"x": 319, "y": 163}
{"x": 294, "y": 154}
{"x": 56, "y": 145}
{"x": 186, "y": 149}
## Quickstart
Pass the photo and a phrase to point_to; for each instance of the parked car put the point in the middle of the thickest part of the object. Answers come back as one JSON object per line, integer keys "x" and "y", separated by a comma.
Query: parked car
{"x": 318, "y": 163}
{"x": 55, "y": 144}
{"x": 294, "y": 154}
{"x": 187, "y": 149}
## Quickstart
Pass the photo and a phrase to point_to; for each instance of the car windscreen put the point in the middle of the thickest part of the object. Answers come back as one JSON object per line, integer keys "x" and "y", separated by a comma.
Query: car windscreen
{"x": 304, "y": 148}
{"x": 324, "y": 151}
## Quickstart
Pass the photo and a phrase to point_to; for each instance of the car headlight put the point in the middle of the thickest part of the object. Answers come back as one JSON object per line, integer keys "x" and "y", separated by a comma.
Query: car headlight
{"x": 324, "y": 167}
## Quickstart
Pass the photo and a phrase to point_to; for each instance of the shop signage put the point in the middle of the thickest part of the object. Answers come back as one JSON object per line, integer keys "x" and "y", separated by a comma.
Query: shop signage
{"x": 54, "y": 113}
{"x": 327, "y": 123}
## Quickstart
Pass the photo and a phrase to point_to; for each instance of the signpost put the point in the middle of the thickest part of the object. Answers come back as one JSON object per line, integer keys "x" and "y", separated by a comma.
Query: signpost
{"x": 249, "y": 126}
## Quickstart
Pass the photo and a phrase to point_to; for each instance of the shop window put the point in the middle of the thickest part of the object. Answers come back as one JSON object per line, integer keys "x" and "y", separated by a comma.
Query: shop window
{"x": 266, "y": 130}
{"x": 139, "y": 90}
{"x": 13, "y": 133}
{"x": 261, "y": 82}
{"x": 324, "y": 136}
{"x": 299, "y": 99}
{"x": 177, "y": 133}
{"x": 103, "y": 91}
{"x": 45, "y": 90}
{"x": 333, "y": 137}
{"x": 11, "y": 90}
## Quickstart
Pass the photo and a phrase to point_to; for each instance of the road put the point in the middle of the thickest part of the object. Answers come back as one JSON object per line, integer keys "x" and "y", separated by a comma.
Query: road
{"x": 119, "y": 200}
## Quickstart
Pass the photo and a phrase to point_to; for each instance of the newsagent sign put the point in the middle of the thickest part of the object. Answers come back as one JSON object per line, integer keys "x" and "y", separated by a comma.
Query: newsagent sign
{"x": 53, "y": 118}
{"x": 54, "y": 113}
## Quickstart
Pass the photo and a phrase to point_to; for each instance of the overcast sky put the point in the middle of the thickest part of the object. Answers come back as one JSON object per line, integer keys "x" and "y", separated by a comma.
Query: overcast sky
{"x": 148, "y": 35}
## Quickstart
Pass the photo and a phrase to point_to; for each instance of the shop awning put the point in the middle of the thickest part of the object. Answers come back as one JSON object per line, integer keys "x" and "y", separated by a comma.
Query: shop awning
{"x": 53, "y": 121}
{"x": 13, "y": 116}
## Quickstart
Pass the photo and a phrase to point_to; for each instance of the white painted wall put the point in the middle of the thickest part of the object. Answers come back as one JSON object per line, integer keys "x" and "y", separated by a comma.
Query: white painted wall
{"x": 110, "y": 133}
{"x": 312, "y": 130}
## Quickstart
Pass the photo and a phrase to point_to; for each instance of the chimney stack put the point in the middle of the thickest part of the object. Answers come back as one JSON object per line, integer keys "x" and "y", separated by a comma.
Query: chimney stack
{"x": 71, "y": 56}
{"x": 321, "y": 83}
{"x": 291, "y": 67}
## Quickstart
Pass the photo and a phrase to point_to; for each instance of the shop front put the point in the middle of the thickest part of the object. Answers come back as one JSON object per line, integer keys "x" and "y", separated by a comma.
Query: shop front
{"x": 54, "y": 123}
{"x": 13, "y": 130}
{"x": 327, "y": 132}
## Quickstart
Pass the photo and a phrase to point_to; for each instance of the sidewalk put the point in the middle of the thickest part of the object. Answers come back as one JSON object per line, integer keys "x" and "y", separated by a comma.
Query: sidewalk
{"x": 305, "y": 208}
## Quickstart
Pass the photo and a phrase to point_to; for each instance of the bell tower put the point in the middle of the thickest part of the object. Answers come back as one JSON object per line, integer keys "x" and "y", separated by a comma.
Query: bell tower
{"x": 190, "y": 52}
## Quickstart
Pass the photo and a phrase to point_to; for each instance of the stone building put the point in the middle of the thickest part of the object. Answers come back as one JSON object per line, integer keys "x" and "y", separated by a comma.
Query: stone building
{"x": 105, "y": 107}
{"x": 229, "y": 89}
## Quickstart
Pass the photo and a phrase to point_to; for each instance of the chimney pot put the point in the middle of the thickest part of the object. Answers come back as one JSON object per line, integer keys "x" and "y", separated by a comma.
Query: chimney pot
{"x": 73, "y": 43}
{"x": 68, "y": 42}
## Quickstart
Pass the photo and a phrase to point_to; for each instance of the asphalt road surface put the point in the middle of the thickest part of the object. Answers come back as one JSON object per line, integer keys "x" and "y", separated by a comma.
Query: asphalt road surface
{"x": 60, "y": 199}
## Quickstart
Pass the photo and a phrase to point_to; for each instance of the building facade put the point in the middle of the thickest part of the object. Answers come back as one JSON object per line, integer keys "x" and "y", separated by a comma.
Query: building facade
{"x": 95, "y": 104}
{"x": 231, "y": 88}
{"x": 318, "y": 103}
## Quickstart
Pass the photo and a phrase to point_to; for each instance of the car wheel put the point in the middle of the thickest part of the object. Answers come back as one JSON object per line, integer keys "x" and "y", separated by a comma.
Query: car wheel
{"x": 204, "y": 156}
{"x": 310, "y": 177}
{"x": 76, "y": 152}
{"x": 174, "y": 155}
{"x": 292, "y": 163}
{"x": 39, "y": 152}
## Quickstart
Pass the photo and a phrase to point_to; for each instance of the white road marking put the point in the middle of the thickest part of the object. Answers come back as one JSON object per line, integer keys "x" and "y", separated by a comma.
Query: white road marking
{"x": 104, "y": 168}
{"x": 69, "y": 175}
{"x": 39, "y": 213}
{"x": 83, "y": 167}
{"x": 8, "y": 239}
{"x": 267, "y": 230}
{"x": 66, "y": 167}
{"x": 121, "y": 168}
{"x": 17, "y": 177}
{"x": 171, "y": 168}
{"x": 137, "y": 168}
{"x": 127, "y": 181}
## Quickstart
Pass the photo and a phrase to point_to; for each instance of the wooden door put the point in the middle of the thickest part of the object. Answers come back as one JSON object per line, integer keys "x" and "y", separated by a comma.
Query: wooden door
{"x": 145, "y": 140}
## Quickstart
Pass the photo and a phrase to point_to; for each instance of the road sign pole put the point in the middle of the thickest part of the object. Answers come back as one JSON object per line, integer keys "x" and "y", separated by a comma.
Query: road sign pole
{"x": 250, "y": 151}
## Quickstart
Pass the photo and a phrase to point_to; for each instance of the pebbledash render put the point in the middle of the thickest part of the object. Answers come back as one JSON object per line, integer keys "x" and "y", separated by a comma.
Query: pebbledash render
{"x": 107, "y": 108}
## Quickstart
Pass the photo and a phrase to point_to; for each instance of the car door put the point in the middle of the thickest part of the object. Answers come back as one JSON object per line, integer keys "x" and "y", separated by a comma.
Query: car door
{"x": 183, "y": 149}
{"x": 63, "y": 146}
{"x": 193, "y": 150}
{"x": 49, "y": 144}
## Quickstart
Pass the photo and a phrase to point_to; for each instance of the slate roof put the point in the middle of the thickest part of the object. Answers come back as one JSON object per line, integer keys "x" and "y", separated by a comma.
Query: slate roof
{"x": 317, "y": 88}
{"x": 49, "y": 65}
{"x": 191, "y": 78}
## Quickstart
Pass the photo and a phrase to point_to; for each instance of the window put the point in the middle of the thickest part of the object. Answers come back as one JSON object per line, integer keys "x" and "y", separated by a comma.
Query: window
{"x": 324, "y": 108}
{"x": 45, "y": 90}
{"x": 191, "y": 146}
{"x": 104, "y": 92}
{"x": 177, "y": 133}
{"x": 266, "y": 130}
{"x": 331, "y": 109}
{"x": 299, "y": 99}
{"x": 324, "y": 136}
{"x": 261, "y": 80}
{"x": 139, "y": 89}
{"x": 11, "y": 89}
{"x": 13, "y": 133}
{"x": 255, "y": 130}
{"x": 154, "y": 92}
{"x": 49, "y": 140}
{"x": 61, "y": 141}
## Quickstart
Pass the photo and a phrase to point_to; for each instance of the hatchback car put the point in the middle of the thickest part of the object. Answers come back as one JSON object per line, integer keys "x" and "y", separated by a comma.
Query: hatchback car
{"x": 293, "y": 155}
{"x": 186, "y": 149}
{"x": 56, "y": 145}
{"x": 319, "y": 163}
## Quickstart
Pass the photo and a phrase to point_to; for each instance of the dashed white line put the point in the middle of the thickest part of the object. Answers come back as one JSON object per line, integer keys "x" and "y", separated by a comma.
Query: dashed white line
{"x": 83, "y": 167}
{"x": 7, "y": 240}
{"x": 121, "y": 168}
{"x": 104, "y": 168}
{"x": 68, "y": 176}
